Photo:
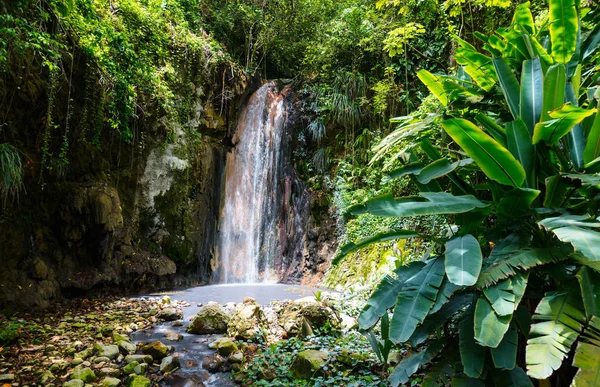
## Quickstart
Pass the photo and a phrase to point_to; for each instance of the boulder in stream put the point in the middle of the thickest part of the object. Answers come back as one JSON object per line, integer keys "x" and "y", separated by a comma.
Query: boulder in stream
{"x": 210, "y": 319}
{"x": 299, "y": 319}
{"x": 248, "y": 321}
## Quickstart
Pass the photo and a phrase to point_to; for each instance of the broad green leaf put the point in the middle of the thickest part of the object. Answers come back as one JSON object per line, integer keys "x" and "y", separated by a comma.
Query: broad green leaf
{"x": 592, "y": 147}
{"x": 519, "y": 283}
{"x": 560, "y": 317}
{"x": 430, "y": 203}
{"x": 524, "y": 18}
{"x": 416, "y": 299}
{"x": 388, "y": 236}
{"x": 586, "y": 179}
{"x": 501, "y": 297}
{"x": 569, "y": 220}
{"x": 587, "y": 356}
{"x": 509, "y": 260}
{"x": 591, "y": 43}
{"x": 589, "y": 282}
{"x": 497, "y": 131}
{"x": 509, "y": 84}
{"x": 386, "y": 293}
{"x": 434, "y": 84}
{"x": 489, "y": 327}
{"x": 512, "y": 378}
{"x": 546, "y": 58}
{"x": 575, "y": 137}
{"x": 554, "y": 90}
{"x": 531, "y": 92}
{"x": 564, "y": 24}
{"x": 447, "y": 290}
{"x": 464, "y": 381}
{"x": 562, "y": 122}
{"x": 408, "y": 169}
{"x": 437, "y": 169}
{"x": 477, "y": 65}
{"x": 471, "y": 353}
{"x": 493, "y": 159}
{"x": 505, "y": 355}
{"x": 515, "y": 204}
{"x": 556, "y": 192}
{"x": 463, "y": 260}
{"x": 411, "y": 364}
{"x": 436, "y": 320}
{"x": 584, "y": 241}
{"x": 519, "y": 144}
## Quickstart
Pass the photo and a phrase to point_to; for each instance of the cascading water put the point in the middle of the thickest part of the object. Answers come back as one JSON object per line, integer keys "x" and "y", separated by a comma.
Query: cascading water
{"x": 249, "y": 226}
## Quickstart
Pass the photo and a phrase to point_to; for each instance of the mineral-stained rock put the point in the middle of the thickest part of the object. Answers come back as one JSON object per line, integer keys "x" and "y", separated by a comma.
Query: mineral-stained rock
{"x": 173, "y": 336}
{"x": 308, "y": 363}
{"x": 224, "y": 345}
{"x": 156, "y": 349}
{"x": 236, "y": 357}
{"x": 210, "y": 319}
{"x": 248, "y": 321}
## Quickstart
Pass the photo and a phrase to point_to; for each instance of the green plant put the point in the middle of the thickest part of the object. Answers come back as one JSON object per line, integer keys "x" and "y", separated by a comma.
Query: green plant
{"x": 382, "y": 347}
{"x": 11, "y": 172}
{"x": 10, "y": 330}
{"x": 518, "y": 272}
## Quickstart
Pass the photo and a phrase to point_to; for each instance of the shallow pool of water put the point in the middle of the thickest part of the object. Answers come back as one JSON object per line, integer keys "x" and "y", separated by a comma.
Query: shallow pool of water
{"x": 193, "y": 348}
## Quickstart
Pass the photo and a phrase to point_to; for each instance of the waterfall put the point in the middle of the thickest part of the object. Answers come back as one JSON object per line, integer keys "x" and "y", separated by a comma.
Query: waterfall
{"x": 249, "y": 225}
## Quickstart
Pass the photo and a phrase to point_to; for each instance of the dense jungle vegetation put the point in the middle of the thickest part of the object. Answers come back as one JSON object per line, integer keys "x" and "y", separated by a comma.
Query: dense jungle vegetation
{"x": 456, "y": 142}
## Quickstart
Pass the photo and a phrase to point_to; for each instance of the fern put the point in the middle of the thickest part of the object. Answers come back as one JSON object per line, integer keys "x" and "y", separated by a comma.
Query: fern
{"x": 11, "y": 172}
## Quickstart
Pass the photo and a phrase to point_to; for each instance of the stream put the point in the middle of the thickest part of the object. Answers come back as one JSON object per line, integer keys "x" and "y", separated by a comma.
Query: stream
{"x": 192, "y": 349}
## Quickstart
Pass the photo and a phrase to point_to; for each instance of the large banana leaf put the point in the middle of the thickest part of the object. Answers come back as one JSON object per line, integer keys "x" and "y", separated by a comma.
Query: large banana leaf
{"x": 411, "y": 364}
{"x": 531, "y": 92}
{"x": 575, "y": 137}
{"x": 564, "y": 24}
{"x": 589, "y": 282}
{"x": 587, "y": 356}
{"x": 562, "y": 122}
{"x": 555, "y": 81}
{"x": 497, "y": 131}
{"x": 471, "y": 353}
{"x": 585, "y": 241}
{"x": 447, "y": 290}
{"x": 505, "y": 355}
{"x": 434, "y": 84}
{"x": 512, "y": 378}
{"x": 436, "y": 320}
{"x": 508, "y": 261}
{"x": 430, "y": 203}
{"x": 388, "y": 236}
{"x": 591, "y": 44}
{"x": 477, "y": 65}
{"x": 560, "y": 317}
{"x": 493, "y": 159}
{"x": 437, "y": 169}
{"x": 519, "y": 144}
{"x": 501, "y": 297}
{"x": 463, "y": 260}
{"x": 385, "y": 294}
{"x": 509, "y": 84}
{"x": 416, "y": 299}
{"x": 556, "y": 192}
{"x": 569, "y": 220}
{"x": 489, "y": 327}
{"x": 408, "y": 169}
{"x": 515, "y": 204}
{"x": 592, "y": 147}
{"x": 524, "y": 19}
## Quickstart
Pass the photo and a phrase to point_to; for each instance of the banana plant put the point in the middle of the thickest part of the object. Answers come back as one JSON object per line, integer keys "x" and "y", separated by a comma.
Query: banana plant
{"x": 519, "y": 278}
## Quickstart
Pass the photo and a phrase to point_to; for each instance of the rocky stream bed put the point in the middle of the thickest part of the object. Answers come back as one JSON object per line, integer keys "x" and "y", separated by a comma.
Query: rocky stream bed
{"x": 182, "y": 339}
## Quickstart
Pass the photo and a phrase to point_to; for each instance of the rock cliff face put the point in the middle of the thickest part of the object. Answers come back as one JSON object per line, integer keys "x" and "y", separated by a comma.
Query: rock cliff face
{"x": 125, "y": 217}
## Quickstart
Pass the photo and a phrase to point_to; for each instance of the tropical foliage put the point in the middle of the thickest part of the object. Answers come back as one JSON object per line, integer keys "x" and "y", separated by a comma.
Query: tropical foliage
{"x": 516, "y": 276}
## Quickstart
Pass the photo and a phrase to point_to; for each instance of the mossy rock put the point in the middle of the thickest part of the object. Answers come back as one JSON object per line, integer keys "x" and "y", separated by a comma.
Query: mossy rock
{"x": 156, "y": 349}
{"x": 210, "y": 319}
{"x": 309, "y": 363}
{"x": 137, "y": 381}
{"x": 85, "y": 374}
{"x": 248, "y": 321}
